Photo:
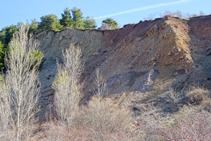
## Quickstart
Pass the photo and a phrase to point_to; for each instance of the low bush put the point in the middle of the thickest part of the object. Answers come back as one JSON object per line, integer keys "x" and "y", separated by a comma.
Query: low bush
{"x": 191, "y": 124}
{"x": 196, "y": 96}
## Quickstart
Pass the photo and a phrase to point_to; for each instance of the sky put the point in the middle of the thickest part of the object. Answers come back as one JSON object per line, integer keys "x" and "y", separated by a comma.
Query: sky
{"x": 122, "y": 11}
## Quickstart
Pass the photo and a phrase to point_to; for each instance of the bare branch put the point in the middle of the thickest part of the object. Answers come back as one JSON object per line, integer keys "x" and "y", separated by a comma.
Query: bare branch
{"x": 20, "y": 92}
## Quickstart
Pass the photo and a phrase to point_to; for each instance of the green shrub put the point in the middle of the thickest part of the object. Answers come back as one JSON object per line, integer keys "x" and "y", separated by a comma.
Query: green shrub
{"x": 1, "y": 80}
{"x": 36, "y": 56}
{"x": 112, "y": 22}
{"x": 61, "y": 78}
{"x": 1, "y": 56}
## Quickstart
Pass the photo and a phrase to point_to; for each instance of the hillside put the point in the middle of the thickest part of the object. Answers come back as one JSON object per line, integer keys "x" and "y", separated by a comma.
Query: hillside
{"x": 149, "y": 56}
{"x": 146, "y": 81}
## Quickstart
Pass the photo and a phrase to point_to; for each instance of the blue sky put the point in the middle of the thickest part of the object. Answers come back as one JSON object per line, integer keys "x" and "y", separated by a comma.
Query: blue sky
{"x": 123, "y": 11}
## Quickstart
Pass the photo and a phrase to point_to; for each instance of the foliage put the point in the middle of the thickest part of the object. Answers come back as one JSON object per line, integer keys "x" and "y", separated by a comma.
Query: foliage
{"x": 33, "y": 27}
{"x": 7, "y": 33}
{"x": 1, "y": 80}
{"x": 77, "y": 18}
{"x": 112, "y": 22}
{"x": 59, "y": 79}
{"x": 3, "y": 35}
{"x": 66, "y": 20}
{"x": 63, "y": 79}
{"x": 10, "y": 31}
{"x": 89, "y": 23}
{"x": 1, "y": 56}
{"x": 49, "y": 22}
{"x": 106, "y": 26}
{"x": 1, "y": 46}
{"x": 36, "y": 55}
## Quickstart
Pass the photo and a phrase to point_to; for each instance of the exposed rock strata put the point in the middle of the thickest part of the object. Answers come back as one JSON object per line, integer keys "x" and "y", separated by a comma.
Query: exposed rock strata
{"x": 126, "y": 56}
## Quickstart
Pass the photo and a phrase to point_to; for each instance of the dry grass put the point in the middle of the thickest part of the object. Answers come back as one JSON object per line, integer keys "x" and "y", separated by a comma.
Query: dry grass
{"x": 197, "y": 96}
{"x": 190, "y": 123}
{"x": 105, "y": 119}
{"x": 95, "y": 121}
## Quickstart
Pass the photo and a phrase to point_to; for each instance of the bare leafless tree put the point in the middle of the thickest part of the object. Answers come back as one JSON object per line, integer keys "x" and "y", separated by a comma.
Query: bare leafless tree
{"x": 101, "y": 85}
{"x": 67, "y": 86}
{"x": 4, "y": 112}
{"x": 150, "y": 16}
{"x": 19, "y": 92}
{"x": 178, "y": 14}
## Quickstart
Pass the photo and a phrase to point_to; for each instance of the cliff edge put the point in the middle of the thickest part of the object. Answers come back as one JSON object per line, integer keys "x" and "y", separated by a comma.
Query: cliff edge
{"x": 150, "y": 55}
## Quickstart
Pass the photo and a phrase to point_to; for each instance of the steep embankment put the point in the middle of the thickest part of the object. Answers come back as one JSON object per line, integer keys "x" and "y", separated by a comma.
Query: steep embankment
{"x": 136, "y": 56}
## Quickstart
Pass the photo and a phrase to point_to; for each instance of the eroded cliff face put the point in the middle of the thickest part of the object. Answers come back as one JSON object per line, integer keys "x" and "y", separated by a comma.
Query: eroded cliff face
{"x": 53, "y": 43}
{"x": 136, "y": 57}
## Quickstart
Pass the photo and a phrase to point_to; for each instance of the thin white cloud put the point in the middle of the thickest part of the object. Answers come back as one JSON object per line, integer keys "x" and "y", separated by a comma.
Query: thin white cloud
{"x": 143, "y": 8}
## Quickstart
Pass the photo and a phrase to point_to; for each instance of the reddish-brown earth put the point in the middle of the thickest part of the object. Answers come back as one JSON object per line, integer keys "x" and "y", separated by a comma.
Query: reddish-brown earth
{"x": 150, "y": 55}
{"x": 146, "y": 62}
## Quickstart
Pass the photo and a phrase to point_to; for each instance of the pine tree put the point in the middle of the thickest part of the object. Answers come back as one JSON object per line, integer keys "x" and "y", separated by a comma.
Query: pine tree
{"x": 6, "y": 35}
{"x": 49, "y": 22}
{"x": 9, "y": 33}
{"x": 33, "y": 27}
{"x": 3, "y": 35}
{"x": 112, "y": 22}
{"x": 77, "y": 18}
{"x": 1, "y": 56}
{"x": 66, "y": 20}
{"x": 89, "y": 23}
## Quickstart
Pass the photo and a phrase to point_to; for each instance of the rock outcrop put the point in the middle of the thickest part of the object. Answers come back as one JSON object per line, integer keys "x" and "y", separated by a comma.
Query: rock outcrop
{"x": 134, "y": 57}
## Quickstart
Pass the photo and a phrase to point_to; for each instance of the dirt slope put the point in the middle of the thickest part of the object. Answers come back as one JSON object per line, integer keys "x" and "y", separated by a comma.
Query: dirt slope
{"x": 138, "y": 57}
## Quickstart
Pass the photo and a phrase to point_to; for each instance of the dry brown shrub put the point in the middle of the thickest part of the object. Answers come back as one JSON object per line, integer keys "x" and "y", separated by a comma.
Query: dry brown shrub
{"x": 197, "y": 96}
{"x": 100, "y": 119}
{"x": 101, "y": 116}
{"x": 191, "y": 123}
{"x": 95, "y": 121}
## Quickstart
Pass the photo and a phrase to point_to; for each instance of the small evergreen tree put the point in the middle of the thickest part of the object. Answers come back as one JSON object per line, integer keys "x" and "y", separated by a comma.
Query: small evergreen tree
{"x": 33, "y": 27}
{"x": 3, "y": 35}
{"x": 49, "y": 22}
{"x": 7, "y": 33}
{"x": 111, "y": 22}
{"x": 77, "y": 18}
{"x": 1, "y": 56}
{"x": 89, "y": 23}
{"x": 66, "y": 20}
